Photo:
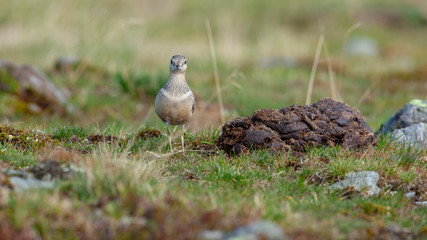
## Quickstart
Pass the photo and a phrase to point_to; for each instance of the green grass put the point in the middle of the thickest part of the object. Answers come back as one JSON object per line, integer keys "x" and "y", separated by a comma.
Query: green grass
{"x": 135, "y": 188}
{"x": 67, "y": 132}
{"x": 290, "y": 190}
{"x": 15, "y": 157}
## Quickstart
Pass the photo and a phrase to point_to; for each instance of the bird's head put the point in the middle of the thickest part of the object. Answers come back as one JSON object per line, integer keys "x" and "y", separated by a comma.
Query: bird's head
{"x": 178, "y": 64}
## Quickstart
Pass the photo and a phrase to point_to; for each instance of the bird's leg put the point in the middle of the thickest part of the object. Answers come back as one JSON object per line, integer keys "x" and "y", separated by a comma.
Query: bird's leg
{"x": 169, "y": 136}
{"x": 182, "y": 136}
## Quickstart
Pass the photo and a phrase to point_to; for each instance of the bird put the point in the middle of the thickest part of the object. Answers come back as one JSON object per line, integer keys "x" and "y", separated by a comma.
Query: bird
{"x": 175, "y": 101}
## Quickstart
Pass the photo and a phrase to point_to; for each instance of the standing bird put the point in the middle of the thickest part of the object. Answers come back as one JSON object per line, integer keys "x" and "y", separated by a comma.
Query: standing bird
{"x": 175, "y": 102}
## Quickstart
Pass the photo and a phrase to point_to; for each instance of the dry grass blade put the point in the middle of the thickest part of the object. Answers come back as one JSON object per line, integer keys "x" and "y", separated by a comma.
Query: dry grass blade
{"x": 314, "y": 69}
{"x": 330, "y": 73}
{"x": 364, "y": 96}
{"x": 216, "y": 75}
{"x": 350, "y": 30}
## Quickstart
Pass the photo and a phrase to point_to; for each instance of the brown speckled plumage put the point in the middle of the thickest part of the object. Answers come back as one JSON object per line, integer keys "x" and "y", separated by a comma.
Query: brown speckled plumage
{"x": 175, "y": 102}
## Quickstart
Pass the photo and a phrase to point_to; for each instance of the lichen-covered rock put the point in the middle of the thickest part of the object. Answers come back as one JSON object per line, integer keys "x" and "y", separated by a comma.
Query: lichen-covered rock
{"x": 412, "y": 113}
{"x": 42, "y": 175}
{"x": 364, "y": 181}
{"x": 20, "y": 185}
{"x": 32, "y": 86}
{"x": 412, "y": 136}
{"x": 326, "y": 122}
{"x": 408, "y": 125}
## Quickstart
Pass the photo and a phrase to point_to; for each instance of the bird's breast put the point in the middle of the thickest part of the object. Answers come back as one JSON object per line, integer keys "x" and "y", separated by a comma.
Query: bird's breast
{"x": 174, "y": 109}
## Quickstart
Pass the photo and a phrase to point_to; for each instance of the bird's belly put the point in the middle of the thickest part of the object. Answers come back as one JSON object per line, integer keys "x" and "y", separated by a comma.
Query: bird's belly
{"x": 174, "y": 112}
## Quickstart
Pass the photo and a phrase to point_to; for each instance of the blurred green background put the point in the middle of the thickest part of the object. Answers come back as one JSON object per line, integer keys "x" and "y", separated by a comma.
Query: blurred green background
{"x": 376, "y": 49}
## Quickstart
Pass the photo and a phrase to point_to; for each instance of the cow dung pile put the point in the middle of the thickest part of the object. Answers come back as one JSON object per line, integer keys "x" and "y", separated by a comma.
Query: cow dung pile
{"x": 324, "y": 123}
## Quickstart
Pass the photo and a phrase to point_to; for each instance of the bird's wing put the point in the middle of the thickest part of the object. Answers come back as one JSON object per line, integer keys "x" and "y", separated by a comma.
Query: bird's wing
{"x": 194, "y": 104}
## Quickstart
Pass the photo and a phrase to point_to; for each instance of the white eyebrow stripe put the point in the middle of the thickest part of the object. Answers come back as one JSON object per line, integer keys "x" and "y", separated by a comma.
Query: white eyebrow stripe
{"x": 174, "y": 97}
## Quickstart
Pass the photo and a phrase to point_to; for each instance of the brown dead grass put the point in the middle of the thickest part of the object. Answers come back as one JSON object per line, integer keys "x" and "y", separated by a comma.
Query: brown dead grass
{"x": 170, "y": 217}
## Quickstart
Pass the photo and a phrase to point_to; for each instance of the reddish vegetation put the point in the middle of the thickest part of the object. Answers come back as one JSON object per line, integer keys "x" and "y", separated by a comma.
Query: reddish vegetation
{"x": 23, "y": 138}
{"x": 98, "y": 138}
{"x": 149, "y": 133}
{"x": 36, "y": 140}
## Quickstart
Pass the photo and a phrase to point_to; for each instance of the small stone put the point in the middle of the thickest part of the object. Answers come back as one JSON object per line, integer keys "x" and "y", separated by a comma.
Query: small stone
{"x": 14, "y": 173}
{"x": 362, "y": 46}
{"x": 21, "y": 185}
{"x": 363, "y": 180}
{"x": 409, "y": 194}
{"x": 423, "y": 204}
{"x": 42, "y": 175}
{"x": 128, "y": 221}
{"x": 210, "y": 235}
{"x": 53, "y": 169}
{"x": 412, "y": 136}
{"x": 265, "y": 230}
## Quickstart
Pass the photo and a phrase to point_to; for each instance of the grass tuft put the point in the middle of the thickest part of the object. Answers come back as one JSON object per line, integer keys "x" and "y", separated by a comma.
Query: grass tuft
{"x": 67, "y": 132}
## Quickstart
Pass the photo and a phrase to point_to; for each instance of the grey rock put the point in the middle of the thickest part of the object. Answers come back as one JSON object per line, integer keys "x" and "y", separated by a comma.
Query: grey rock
{"x": 423, "y": 204}
{"x": 14, "y": 173}
{"x": 21, "y": 185}
{"x": 256, "y": 231}
{"x": 412, "y": 113}
{"x": 126, "y": 221}
{"x": 29, "y": 78}
{"x": 360, "y": 181}
{"x": 53, "y": 169}
{"x": 412, "y": 136}
{"x": 409, "y": 194}
{"x": 362, "y": 46}
{"x": 210, "y": 235}
{"x": 43, "y": 175}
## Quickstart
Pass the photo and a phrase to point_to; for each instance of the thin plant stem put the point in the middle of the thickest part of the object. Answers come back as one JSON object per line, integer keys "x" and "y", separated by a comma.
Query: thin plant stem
{"x": 216, "y": 75}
